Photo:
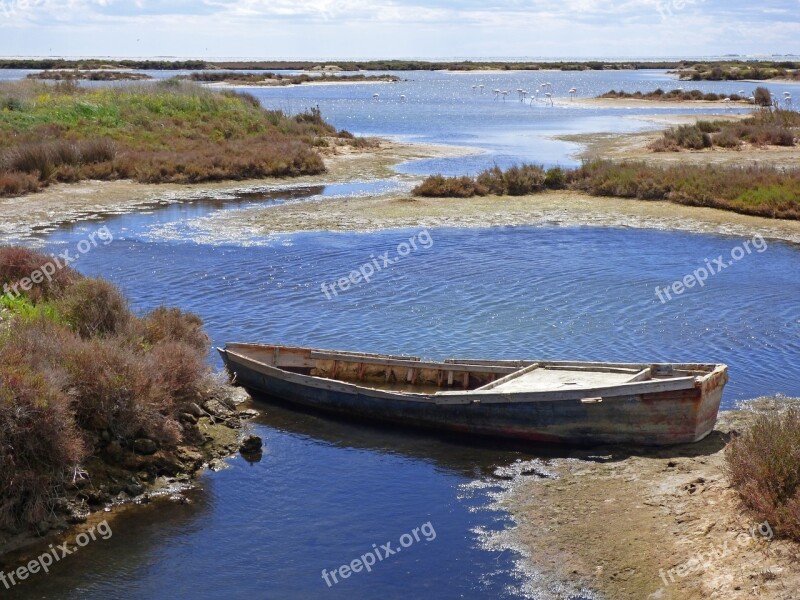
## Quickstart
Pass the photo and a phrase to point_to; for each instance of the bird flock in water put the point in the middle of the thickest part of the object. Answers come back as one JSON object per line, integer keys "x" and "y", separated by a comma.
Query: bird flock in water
{"x": 547, "y": 96}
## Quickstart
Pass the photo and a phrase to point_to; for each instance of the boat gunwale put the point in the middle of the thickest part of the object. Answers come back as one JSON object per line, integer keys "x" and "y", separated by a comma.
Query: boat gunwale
{"x": 654, "y": 386}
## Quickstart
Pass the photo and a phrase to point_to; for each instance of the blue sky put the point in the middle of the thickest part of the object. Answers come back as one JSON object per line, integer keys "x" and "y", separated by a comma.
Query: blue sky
{"x": 398, "y": 28}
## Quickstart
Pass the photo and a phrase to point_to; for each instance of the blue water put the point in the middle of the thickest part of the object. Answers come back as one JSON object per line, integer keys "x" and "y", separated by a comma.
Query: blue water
{"x": 327, "y": 490}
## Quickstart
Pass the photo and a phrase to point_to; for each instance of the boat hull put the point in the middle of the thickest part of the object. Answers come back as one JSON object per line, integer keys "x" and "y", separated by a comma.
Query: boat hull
{"x": 654, "y": 419}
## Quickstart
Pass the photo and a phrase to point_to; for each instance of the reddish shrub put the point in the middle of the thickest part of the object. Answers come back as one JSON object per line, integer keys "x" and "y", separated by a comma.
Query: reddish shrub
{"x": 39, "y": 444}
{"x": 173, "y": 325}
{"x": 94, "y": 307}
{"x": 18, "y": 263}
{"x": 763, "y": 465}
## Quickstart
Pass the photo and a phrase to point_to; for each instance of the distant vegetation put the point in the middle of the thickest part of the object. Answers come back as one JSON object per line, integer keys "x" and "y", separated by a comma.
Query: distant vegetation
{"x": 763, "y": 465}
{"x": 167, "y": 132}
{"x": 268, "y": 78}
{"x": 97, "y": 63}
{"x": 672, "y": 96}
{"x": 761, "y": 191}
{"x": 738, "y": 70}
{"x": 85, "y": 383}
{"x": 101, "y": 75}
{"x": 764, "y": 128}
{"x": 732, "y": 69}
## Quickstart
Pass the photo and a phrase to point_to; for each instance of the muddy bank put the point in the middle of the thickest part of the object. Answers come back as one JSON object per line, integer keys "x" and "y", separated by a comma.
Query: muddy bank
{"x": 553, "y": 208}
{"x": 636, "y": 146}
{"x": 661, "y": 526}
{"x": 118, "y": 477}
{"x": 23, "y": 216}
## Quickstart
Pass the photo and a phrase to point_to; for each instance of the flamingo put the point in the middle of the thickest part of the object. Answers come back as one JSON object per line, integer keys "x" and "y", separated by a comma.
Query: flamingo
{"x": 402, "y": 97}
{"x": 549, "y": 97}
{"x": 496, "y": 93}
{"x": 481, "y": 86}
{"x": 727, "y": 102}
{"x": 376, "y": 96}
{"x": 474, "y": 87}
{"x": 787, "y": 97}
{"x": 573, "y": 92}
{"x": 504, "y": 93}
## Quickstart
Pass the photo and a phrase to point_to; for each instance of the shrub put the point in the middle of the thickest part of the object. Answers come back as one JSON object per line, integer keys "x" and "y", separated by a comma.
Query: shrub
{"x": 763, "y": 97}
{"x": 16, "y": 184}
{"x": 116, "y": 391}
{"x": 524, "y": 179}
{"x": 438, "y": 186}
{"x": 173, "y": 325}
{"x": 39, "y": 443}
{"x": 493, "y": 181}
{"x": 763, "y": 465}
{"x": 94, "y": 307}
{"x": 555, "y": 178}
{"x": 18, "y": 263}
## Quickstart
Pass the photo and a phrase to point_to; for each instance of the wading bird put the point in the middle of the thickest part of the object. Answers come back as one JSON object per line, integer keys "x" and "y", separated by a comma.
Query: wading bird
{"x": 403, "y": 98}
{"x": 496, "y": 93}
{"x": 376, "y": 96}
{"x": 549, "y": 97}
{"x": 573, "y": 92}
{"x": 481, "y": 86}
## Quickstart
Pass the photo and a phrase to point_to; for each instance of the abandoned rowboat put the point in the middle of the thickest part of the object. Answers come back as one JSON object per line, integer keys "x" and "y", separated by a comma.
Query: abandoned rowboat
{"x": 542, "y": 401}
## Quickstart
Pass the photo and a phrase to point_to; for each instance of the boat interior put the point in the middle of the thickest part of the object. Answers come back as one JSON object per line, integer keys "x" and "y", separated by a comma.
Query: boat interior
{"x": 414, "y": 375}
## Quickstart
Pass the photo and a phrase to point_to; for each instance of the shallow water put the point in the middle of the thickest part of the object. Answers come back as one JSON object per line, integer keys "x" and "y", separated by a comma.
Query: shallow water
{"x": 325, "y": 490}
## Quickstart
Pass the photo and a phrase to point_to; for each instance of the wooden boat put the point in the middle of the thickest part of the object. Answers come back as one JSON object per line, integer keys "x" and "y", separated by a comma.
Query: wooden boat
{"x": 580, "y": 403}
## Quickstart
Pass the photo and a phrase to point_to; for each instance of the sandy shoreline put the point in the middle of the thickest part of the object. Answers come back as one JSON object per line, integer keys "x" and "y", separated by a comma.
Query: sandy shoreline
{"x": 616, "y": 524}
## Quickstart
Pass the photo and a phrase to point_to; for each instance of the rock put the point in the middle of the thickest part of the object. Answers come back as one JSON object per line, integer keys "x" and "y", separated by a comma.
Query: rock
{"x": 248, "y": 414}
{"x": 134, "y": 490}
{"x": 145, "y": 446}
{"x": 233, "y": 423}
{"x": 217, "y": 409}
{"x": 195, "y": 410}
{"x": 251, "y": 445}
{"x": 187, "y": 418}
{"x": 192, "y": 459}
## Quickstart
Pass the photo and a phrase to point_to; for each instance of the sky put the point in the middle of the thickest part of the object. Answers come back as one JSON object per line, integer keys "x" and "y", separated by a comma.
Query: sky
{"x": 358, "y": 29}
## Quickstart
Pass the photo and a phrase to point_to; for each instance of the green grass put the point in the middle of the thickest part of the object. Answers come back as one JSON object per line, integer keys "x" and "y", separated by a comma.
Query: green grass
{"x": 166, "y": 132}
